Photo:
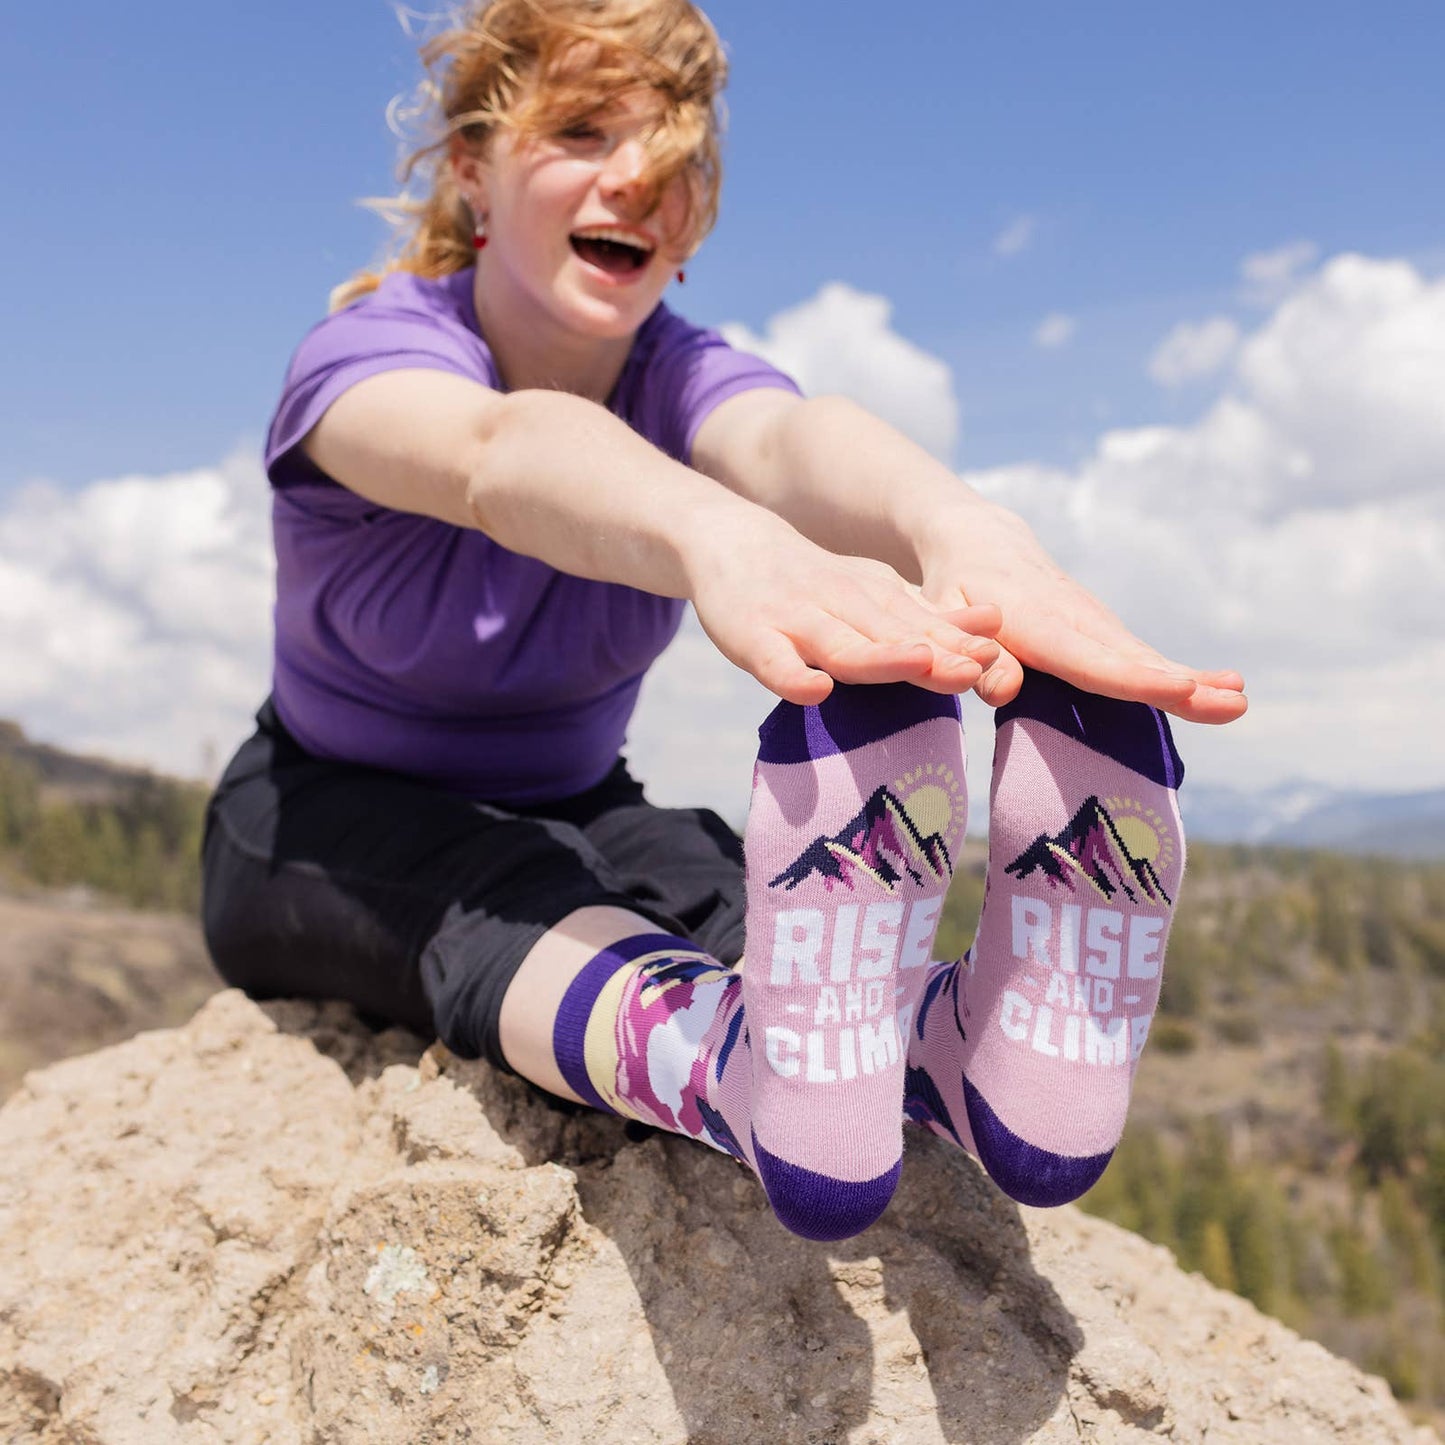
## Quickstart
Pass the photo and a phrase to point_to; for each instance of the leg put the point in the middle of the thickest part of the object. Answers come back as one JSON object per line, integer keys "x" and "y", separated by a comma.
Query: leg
{"x": 533, "y": 1001}
{"x": 857, "y": 812}
{"x": 1025, "y": 1052}
{"x": 684, "y": 864}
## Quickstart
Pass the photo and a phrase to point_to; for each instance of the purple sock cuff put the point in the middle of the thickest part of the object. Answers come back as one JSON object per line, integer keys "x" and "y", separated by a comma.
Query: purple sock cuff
{"x": 1131, "y": 733}
{"x": 569, "y": 1032}
{"x": 849, "y": 717}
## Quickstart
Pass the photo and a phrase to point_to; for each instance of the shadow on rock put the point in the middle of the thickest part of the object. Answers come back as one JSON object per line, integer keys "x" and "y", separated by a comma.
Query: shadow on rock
{"x": 931, "y": 1326}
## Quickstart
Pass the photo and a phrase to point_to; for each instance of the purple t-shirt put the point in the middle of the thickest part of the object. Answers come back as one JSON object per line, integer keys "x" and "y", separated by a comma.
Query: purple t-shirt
{"x": 407, "y": 643}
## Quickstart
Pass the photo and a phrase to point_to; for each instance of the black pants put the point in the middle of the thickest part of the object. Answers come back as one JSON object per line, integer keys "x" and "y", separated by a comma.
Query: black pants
{"x": 416, "y": 905}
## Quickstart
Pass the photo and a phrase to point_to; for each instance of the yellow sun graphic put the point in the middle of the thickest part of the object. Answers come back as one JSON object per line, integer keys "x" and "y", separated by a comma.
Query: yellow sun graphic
{"x": 931, "y": 796}
{"x": 1143, "y": 831}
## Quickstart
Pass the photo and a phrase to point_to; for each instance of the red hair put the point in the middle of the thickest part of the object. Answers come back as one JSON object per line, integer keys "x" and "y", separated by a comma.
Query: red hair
{"x": 536, "y": 67}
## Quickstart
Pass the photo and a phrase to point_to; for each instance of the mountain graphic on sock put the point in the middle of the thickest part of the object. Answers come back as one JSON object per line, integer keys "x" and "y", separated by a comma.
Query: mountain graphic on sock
{"x": 882, "y": 841}
{"x": 1091, "y": 851}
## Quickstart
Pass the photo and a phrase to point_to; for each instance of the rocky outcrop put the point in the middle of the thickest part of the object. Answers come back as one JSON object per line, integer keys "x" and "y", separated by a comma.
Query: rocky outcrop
{"x": 271, "y": 1227}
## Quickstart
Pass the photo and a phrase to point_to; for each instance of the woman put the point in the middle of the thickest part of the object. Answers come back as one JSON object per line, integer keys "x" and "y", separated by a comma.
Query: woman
{"x": 498, "y": 470}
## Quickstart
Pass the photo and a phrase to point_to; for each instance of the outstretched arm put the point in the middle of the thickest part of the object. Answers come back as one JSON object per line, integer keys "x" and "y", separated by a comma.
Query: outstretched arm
{"x": 559, "y": 478}
{"x": 855, "y": 485}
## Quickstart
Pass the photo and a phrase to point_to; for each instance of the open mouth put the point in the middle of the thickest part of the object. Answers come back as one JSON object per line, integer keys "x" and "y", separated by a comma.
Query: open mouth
{"x": 611, "y": 251}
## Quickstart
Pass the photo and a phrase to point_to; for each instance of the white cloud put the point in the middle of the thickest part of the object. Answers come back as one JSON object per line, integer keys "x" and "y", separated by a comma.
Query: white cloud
{"x": 1269, "y": 276}
{"x": 1014, "y": 237}
{"x": 1351, "y": 369}
{"x": 135, "y": 614}
{"x": 1055, "y": 330}
{"x": 1295, "y": 529}
{"x": 842, "y": 342}
{"x": 1193, "y": 350}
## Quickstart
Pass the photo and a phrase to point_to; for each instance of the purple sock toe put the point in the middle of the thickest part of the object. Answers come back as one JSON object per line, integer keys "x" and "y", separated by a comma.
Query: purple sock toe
{"x": 1024, "y": 1171}
{"x": 818, "y": 1207}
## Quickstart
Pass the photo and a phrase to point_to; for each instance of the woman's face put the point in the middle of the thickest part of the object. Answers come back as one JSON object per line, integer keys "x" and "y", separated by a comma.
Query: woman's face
{"x": 565, "y": 223}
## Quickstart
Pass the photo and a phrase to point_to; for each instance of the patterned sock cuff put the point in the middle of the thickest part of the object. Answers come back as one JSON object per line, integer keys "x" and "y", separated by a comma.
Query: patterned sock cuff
{"x": 569, "y": 1032}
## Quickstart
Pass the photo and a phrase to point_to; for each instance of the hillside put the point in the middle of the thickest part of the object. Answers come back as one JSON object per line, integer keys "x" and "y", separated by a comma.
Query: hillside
{"x": 126, "y": 833}
{"x": 81, "y": 838}
{"x": 1310, "y": 815}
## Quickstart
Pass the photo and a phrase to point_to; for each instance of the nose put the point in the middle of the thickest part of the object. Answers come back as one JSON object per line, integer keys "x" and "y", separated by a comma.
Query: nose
{"x": 625, "y": 168}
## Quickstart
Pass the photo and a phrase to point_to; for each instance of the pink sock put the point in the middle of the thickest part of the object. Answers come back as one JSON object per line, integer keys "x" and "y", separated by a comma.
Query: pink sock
{"x": 857, "y": 814}
{"x": 1029, "y": 1046}
{"x": 933, "y": 1084}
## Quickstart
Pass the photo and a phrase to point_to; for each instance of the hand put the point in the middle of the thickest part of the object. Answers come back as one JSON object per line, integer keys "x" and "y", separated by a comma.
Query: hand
{"x": 1051, "y": 623}
{"x": 798, "y": 617}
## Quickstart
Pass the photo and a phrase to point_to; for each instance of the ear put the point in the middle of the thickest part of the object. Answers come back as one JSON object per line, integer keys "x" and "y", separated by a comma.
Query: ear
{"x": 469, "y": 170}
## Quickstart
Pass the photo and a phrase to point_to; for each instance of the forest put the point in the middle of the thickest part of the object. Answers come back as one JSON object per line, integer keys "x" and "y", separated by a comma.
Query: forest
{"x": 1288, "y": 1134}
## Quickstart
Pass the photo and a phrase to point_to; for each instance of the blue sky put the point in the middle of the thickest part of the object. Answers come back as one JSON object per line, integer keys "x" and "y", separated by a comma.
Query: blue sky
{"x": 982, "y": 221}
{"x": 185, "y": 176}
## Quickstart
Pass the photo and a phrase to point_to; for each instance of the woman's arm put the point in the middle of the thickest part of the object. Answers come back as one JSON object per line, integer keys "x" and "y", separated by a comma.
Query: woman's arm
{"x": 559, "y": 478}
{"x": 853, "y": 484}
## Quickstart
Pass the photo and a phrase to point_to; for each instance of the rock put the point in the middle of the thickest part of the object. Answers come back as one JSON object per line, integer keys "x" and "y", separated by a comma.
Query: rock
{"x": 272, "y": 1226}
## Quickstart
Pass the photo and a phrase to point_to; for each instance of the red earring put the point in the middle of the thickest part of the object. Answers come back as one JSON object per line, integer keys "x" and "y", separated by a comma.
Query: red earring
{"x": 479, "y": 236}
{"x": 681, "y": 277}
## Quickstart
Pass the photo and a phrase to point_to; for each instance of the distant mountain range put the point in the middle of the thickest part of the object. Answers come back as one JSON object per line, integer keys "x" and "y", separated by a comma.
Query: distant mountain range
{"x": 1314, "y": 815}
{"x": 71, "y": 776}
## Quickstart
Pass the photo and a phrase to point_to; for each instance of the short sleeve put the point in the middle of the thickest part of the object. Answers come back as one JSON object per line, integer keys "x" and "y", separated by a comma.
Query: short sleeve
{"x": 401, "y": 327}
{"x": 681, "y": 374}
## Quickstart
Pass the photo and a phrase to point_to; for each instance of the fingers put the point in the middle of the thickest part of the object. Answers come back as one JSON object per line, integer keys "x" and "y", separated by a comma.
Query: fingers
{"x": 1229, "y": 681}
{"x": 1000, "y": 682}
{"x": 963, "y": 631}
{"x": 873, "y": 628}
{"x": 850, "y": 655}
{"x": 803, "y": 666}
{"x": 1202, "y": 697}
{"x": 784, "y": 673}
{"x": 1216, "y": 697}
{"x": 1098, "y": 669}
{"x": 1212, "y": 705}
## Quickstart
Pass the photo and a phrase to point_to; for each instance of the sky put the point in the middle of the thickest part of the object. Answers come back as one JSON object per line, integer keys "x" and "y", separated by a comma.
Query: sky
{"x": 1167, "y": 280}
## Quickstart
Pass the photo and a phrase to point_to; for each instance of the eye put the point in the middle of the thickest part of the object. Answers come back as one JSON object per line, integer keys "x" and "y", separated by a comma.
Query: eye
{"x": 583, "y": 133}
